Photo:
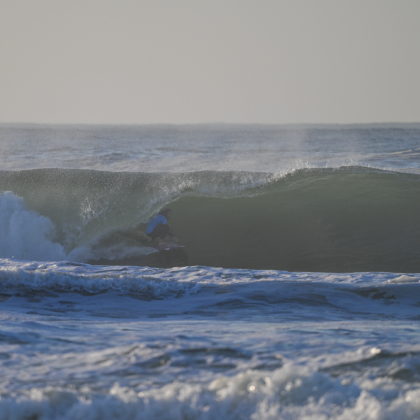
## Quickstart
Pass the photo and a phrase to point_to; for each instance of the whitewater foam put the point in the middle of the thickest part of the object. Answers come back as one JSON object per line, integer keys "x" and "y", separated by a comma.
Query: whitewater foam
{"x": 25, "y": 234}
{"x": 291, "y": 392}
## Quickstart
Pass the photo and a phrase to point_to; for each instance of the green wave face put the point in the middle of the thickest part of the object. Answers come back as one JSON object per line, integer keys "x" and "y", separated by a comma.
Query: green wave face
{"x": 346, "y": 220}
{"x": 336, "y": 221}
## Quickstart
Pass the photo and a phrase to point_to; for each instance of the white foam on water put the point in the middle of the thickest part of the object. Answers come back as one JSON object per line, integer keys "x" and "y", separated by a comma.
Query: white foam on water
{"x": 25, "y": 234}
{"x": 37, "y": 276}
{"x": 291, "y": 392}
{"x": 404, "y": 279}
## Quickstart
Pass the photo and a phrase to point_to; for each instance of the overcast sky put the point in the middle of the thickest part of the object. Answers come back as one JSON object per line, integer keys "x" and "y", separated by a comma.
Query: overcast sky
{"x": 194, "y": 61}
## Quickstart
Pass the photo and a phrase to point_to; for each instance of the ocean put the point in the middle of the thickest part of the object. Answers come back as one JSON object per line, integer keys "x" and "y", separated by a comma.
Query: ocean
{"x": 297, "y": 295}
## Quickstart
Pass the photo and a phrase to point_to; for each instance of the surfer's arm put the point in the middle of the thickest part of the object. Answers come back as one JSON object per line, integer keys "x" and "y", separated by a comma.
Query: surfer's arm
{"x": 169, "y": 232}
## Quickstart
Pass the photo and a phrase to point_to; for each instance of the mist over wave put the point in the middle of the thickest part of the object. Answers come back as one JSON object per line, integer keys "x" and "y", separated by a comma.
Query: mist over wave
{"x": 220, "y": 147}
{"x": 346, "y": 219}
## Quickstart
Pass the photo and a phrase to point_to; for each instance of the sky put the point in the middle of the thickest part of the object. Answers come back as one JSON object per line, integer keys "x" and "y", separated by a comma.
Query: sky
{"x": 196, "y": 61}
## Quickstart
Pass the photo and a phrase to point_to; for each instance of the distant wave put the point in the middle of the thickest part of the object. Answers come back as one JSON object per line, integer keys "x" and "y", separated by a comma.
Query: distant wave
{"x": 336, "y": 220}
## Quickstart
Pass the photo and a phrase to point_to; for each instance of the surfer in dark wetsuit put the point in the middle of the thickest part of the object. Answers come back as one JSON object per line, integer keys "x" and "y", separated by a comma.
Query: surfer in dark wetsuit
{"x": 158, "y": 227}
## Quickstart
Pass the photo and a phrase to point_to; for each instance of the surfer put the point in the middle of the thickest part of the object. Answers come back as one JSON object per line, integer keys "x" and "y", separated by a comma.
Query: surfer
{"x": 158, "y": 227}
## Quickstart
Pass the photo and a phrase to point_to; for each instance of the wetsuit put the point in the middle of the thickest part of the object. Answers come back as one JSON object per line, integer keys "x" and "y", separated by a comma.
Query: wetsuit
{"x": 158, "y": 227}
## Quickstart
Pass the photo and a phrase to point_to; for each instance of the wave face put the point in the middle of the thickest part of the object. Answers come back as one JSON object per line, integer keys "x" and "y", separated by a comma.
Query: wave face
{"x": 331, "y": 220}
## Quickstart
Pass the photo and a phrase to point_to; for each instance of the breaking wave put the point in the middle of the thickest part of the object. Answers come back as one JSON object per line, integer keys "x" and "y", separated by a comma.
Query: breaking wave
{"x": 337, "y": 220}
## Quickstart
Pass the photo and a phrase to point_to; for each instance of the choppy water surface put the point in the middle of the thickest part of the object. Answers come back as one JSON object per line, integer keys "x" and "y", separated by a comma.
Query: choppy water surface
{"x": 297, "y": 295}
{"x": 179, "y": 148}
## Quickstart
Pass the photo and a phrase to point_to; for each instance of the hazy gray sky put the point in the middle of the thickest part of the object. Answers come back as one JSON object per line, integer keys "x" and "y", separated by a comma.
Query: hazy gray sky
{"x": 192, "y": 61}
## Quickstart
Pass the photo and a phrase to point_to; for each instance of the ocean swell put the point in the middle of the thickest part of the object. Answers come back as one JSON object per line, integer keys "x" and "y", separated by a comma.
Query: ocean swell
{"x": 331, "y": 220}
